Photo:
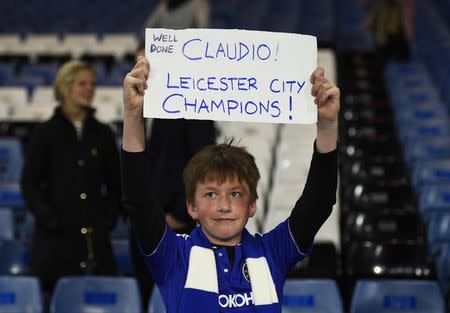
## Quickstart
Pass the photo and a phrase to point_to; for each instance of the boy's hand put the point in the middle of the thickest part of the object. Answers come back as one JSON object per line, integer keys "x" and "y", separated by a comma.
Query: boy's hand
{"x": 326, "y": 98}
{"x": 134, "y": 86}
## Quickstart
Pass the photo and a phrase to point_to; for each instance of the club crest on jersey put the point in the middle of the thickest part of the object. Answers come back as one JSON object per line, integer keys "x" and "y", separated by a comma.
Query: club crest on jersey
{"x": 245, "y": 272}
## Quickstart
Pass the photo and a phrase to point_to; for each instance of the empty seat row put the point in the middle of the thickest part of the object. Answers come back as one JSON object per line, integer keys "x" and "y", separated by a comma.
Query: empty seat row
{"x": 16, "y": 105}
{"x": 370, "y": 296}
{"x": 381, "y": 230}
{"x": 421, "y": 104}
{"x": 72, "y": 295}
{"x": 44, "y": 95}
{"x": 74, "y": 45}
{"x": 286, "y": 16}
{"x": 43, "y": 74}
{"x": 16, "y": 230}
{"x": 120, "y": 295}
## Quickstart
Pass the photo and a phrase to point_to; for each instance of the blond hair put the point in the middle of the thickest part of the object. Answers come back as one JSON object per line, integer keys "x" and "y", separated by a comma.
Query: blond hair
{"x": 66, "y": 76}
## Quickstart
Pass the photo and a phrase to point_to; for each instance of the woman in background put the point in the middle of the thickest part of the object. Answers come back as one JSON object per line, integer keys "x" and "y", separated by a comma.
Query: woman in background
{"x": 71, "y": 184}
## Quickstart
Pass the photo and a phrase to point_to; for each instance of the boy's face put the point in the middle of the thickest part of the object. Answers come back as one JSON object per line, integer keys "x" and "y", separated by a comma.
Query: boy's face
{"x": 222, "y": 210}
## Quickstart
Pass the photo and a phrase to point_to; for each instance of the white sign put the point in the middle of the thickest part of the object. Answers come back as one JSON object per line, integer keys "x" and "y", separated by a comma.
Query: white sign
{"x": 230, "y": 75}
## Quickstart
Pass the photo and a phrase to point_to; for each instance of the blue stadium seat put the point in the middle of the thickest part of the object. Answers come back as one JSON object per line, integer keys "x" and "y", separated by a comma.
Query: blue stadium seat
{"x": 6, "y": 224}
{"x": 100, "y": 71}
{"x": 433, "y": 148}
{"x": 121, "y": 248}
{"x": 122, "y": 229}
{"x": 438, "y": 229}
{"x": 11, "y": 196}
{"x": 20, "y": 295}
{"x": 11, "y": 163}
{"x": 413, "y": 82}
{"x": 383, "y": 296}
{"x": 311, "y": 296}
{"x": 434, "y": 198}
{"x": 10, "y": 160}
{"x": 442, "y": 259}
{"x": 431, "y": 172}
{"x": 29, "y": 82}
{"x": 7, "y": 72}
{"x": 156, "y": 304}
{"x": 403, "y": 98}
{"x": 420, "y": 112}
{"x": 118, "y": 73}
{"x": 96, "y": 294}
{"x": 24, "y": 226}
{"x": 426, "y": 129}
{"x": 411, "y": 69}
{"x": 121, "y": 69}
{"x": 14, "y": 258}
{"x": 46, "y": 72}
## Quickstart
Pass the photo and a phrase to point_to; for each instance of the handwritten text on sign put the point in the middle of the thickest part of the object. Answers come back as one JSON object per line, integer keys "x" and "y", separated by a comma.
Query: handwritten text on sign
{"x": 230, "y": 75}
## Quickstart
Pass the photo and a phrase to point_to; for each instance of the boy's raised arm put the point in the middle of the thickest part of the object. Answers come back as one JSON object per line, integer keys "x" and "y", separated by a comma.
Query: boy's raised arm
{"x": 147, "y": 219}
{"x": 319, "y": 195}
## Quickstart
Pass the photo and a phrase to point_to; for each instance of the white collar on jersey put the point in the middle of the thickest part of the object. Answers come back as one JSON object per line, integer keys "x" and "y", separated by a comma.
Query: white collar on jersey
{"x": 202, "y": 275}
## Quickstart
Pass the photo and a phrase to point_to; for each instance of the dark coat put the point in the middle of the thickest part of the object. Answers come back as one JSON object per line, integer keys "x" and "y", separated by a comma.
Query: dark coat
{"x": 173, "y": 142}
{"x": 70, "y": 183}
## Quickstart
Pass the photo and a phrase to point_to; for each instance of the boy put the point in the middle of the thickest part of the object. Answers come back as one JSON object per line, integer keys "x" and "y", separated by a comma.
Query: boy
{"x": 220, "y": 267}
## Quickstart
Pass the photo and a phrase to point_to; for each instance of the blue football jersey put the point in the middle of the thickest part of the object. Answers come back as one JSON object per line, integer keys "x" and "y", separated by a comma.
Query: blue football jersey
{"x": 169, "y": 263}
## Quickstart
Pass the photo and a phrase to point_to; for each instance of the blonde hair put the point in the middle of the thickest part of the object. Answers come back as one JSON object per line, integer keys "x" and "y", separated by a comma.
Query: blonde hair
{"x": 66, "y": 76}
